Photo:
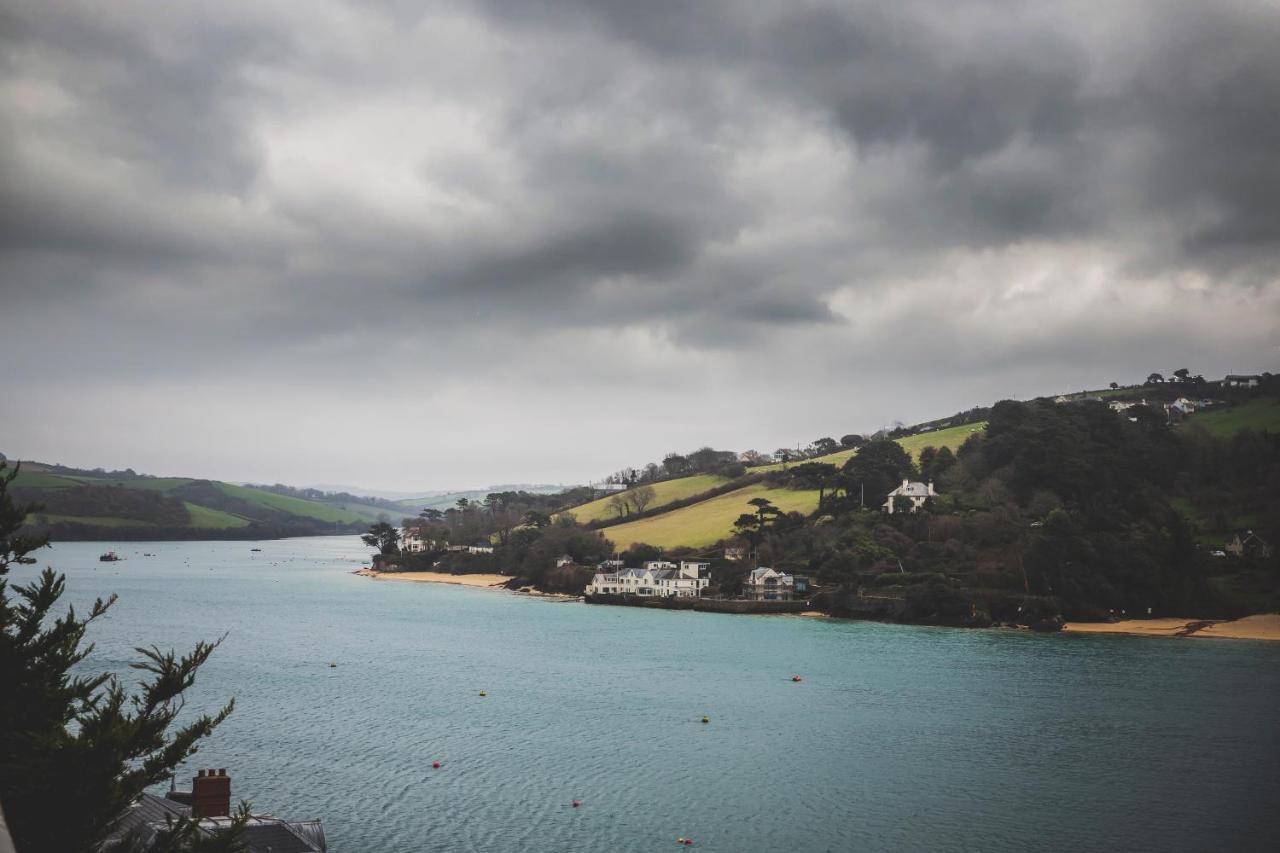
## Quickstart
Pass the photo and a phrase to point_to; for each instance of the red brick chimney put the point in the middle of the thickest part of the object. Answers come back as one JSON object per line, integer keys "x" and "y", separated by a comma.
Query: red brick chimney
{"x": 211, "y": 794}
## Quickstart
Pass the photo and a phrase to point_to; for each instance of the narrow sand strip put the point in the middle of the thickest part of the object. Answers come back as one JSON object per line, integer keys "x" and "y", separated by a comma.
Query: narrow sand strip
{"x": 438, "y": 577}
{"x": 1262, "y": 627}
{"x": 1265, "y": 626}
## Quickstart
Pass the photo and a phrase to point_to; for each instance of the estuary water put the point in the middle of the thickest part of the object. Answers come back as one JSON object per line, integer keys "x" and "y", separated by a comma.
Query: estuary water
{"x": 898, "y": 738}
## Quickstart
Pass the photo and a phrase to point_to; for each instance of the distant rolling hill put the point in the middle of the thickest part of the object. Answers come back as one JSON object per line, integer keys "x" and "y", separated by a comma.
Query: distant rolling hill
{"x": 444, "y": 500}
{"x": 123, "y": 505}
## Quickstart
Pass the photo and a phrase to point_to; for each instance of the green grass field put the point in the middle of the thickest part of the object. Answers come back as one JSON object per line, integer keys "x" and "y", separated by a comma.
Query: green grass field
{"x": 98, "y": 520}
{"x": 294, "y": 506}
{"x": 42, "y": 480}
{"x": 708, "y": 521}
{"x": 370, "y": 513}
{"x": 951, "y": 437}
{"x": 664, "y": 493}
{"x": 1260, "y": 414}
{"x": 837, "y": 459}
{"x": 150, "y": 484}
{"x": 203, "y": 516}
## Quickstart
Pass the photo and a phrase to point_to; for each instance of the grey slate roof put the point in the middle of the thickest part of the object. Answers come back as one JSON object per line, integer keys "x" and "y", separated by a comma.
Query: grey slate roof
{"x": 276, "y": 838}
{"x": 264, "y": 834}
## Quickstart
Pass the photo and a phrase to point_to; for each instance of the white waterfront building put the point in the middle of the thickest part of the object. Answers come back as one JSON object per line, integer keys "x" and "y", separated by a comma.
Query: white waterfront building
{"x": 657, "y": 579}
{"x": 766, "y": 584}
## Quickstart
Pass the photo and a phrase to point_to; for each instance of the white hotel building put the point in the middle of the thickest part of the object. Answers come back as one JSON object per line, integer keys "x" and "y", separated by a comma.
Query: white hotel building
{"x": 658, "y": 579}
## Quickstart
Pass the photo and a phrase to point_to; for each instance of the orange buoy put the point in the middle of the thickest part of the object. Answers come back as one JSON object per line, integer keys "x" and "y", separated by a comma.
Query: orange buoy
{"x": 435, "y": 765}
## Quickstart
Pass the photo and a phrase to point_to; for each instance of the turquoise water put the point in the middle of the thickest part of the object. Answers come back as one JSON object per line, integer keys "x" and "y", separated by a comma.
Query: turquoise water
{"x": 898, "y": 738}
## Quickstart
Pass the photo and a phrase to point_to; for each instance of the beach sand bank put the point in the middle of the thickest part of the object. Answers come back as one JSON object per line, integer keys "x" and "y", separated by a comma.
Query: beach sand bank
{"x": 1262, "y": 627}
{"x": 437, "y": 577}
{"x": 489, "y": 581}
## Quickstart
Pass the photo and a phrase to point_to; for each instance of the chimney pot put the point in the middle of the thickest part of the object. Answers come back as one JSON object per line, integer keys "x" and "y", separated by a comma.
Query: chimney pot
{"x": 211, "y": 794}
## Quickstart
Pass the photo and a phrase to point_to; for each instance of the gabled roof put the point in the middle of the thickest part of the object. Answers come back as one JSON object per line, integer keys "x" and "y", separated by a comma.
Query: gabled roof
{"x": 911, "y": 490}
{"x": 264, "y": 834}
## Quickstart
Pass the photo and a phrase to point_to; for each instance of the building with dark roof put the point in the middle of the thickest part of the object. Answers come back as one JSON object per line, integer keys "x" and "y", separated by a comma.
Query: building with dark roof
{"x": 209, "y": 802}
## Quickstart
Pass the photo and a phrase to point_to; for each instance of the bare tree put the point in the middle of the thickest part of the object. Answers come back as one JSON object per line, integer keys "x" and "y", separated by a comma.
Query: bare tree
{"x": 642, "y": 497}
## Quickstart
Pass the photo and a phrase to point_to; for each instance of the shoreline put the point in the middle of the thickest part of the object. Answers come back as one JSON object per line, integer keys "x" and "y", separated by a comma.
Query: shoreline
{"x": 1265, "y": 626}
{"x": 475, "y": 581}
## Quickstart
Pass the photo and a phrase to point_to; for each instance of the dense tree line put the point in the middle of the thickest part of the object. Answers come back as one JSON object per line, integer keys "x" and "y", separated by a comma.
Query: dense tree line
{"x": 1075, "y": 505}
{"x": 113, "y": 501}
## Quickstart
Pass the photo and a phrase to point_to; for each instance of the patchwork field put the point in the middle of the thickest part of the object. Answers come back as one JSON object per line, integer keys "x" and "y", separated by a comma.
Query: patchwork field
{"x": 203, "y": 516}
{"x": 1261, "y": 414}
{"x": 347, "y": 514}
{"x": 665, "y": 492}
{"x": 708, "y": 521}
{"x": 88, "y": 499}
{"x": 951, "y": 437}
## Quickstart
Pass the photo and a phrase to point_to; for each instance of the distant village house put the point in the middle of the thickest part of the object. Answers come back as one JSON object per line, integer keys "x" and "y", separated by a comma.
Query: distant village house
{"x": 1246, "y": 543}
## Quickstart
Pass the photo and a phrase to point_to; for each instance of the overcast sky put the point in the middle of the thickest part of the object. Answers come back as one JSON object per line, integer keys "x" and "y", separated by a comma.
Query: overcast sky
{"x": 418, "y": 245}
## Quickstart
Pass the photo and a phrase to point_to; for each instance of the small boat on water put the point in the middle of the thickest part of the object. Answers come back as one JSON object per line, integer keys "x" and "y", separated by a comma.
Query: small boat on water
{"x": 27, "y": 561}
{"x": 255, "y": 549}
{"x": 109, "y": 557}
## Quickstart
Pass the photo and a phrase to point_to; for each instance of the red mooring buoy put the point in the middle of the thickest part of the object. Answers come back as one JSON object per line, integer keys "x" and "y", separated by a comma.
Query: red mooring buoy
{"x": 795, "y": 678}
{"x": 435, "y": 765}
{"x": 577, "y": 803}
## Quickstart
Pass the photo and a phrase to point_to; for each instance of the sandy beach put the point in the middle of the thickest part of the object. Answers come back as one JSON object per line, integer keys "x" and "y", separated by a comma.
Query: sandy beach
{"x": 437, "y": 577}
{"x": 486, "y": 581}
{"x": 1262, "y": 627}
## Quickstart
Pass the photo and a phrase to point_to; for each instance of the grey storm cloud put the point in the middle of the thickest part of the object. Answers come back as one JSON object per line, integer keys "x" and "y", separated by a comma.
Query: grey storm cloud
{"x": 595, "y": 197}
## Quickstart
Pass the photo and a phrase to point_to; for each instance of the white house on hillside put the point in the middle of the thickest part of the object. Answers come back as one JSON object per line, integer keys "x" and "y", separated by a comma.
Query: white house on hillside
{"x": 412, "y": 542}
{"x": 1247, "y": 381}
{"x": 766, "y": 584}
{"x": 918, "y": 493}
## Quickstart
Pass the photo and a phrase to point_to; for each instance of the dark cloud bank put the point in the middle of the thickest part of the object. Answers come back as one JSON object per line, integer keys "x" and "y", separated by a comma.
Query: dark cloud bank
{"x": 434, "y": 244}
